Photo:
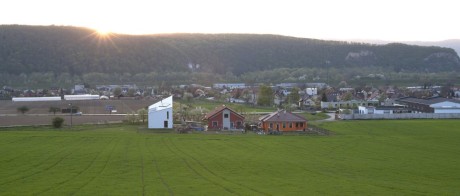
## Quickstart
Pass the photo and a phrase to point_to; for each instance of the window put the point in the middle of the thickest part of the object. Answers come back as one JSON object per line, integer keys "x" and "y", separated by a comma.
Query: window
{"x": 271, "y": 125}
{"x": 232, "y": 125}
{"x": 214, "y": 123}
{"x": 165, "y": 124}
{"x": 225, "y": 115}
{"x": 284, "y": 124}
{"x": 290, "y": 125}
{"x": 167, "y": 115}
{"x": 238, "y": 124}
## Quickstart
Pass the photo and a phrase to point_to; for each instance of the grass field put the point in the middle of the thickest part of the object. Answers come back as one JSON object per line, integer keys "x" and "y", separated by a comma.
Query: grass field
{"x": 361, "y": 158}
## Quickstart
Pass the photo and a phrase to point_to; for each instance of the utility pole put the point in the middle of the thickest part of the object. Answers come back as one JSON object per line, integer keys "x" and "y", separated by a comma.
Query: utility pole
{"x": 71, "y": 111}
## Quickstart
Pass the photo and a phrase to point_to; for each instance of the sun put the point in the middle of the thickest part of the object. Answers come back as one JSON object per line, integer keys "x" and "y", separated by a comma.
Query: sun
{"x": 103, "y": 32}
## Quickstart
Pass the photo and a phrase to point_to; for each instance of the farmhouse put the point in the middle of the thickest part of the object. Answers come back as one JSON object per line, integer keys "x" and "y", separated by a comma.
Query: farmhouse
{"x": 437, "y": 105}
{"x": 224, "y": 118}
{"x": 282, "y": 121}
{"x": 160, "y": 114}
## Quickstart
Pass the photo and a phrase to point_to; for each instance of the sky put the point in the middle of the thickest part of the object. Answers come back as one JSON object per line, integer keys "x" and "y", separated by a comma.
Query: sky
{"x": 390, "y": 20}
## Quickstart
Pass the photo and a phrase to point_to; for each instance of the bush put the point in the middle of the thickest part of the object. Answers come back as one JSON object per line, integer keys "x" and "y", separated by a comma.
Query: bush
{"x": 23, "y": 109}
{"x": 57, "y": 122}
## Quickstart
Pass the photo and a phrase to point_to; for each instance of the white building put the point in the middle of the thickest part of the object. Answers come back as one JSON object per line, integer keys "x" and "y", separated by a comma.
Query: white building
{"x": 81, "y": 97}
{"x": 229, "y": 85}
{"x": 161, "y": 114}
{"x": 446, "y": 107}
{"x": 311, "y": 91}
{"x": 20, "y": 99}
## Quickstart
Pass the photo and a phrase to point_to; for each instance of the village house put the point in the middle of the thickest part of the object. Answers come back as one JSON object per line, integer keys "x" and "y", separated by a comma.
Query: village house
{"x": 224, "y": 118}
{"x": 161, "y": 114}
{"x": 282, "y": 121}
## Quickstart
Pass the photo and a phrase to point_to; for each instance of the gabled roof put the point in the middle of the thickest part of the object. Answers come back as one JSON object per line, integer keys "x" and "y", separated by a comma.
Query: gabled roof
{"x": 163, "y": 104}
{"x": 282, "y": 116}
{"x": 218, "y": 110}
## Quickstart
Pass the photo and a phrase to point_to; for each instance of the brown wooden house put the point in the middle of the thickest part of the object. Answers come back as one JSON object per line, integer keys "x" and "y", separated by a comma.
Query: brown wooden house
{"x": 282, "y": 121}
{"x": 224, "y": 118}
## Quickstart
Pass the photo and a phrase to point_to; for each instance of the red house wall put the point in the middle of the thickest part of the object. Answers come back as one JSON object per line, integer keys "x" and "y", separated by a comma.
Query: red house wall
{"x": 235, "y": 118}
{"x": 219, "y": 118}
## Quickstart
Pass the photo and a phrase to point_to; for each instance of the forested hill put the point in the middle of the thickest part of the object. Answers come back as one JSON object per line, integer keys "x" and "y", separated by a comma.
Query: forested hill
{"x": 57, "y": 49}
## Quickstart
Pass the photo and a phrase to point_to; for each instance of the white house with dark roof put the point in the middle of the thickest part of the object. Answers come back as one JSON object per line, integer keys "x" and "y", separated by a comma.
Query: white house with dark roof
{"x": 161, "y": 114}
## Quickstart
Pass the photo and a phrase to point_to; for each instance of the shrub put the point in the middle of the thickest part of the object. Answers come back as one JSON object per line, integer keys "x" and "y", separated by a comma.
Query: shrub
{"x": 23, "y": 109}
{"x": 57, "y": 122}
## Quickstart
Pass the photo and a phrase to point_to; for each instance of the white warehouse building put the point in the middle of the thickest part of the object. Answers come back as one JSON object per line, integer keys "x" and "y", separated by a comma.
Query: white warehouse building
{"x": 161, "y": 114}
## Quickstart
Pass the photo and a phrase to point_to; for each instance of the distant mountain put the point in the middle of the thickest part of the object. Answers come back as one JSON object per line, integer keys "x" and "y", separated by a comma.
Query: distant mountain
{"x": 58, "y": 49}
{"x": 451, "y": 43}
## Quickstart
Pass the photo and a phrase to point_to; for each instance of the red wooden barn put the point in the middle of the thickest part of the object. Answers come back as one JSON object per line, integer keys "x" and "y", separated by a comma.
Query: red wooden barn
{"x": 224, "y": 118}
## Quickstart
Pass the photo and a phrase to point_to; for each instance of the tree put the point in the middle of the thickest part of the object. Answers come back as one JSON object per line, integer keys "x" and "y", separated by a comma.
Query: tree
{"x": 131, "y": 92}
{"x": 348, "y": 96}
{"x": 265, "y": 97}
{"x": 245, "y": 95}
{"x": 54, "y": 109}
{"x": 131, "y": 118}
{"x": 187, "y": 96}
{"x": 324, "y": 97}
{"x": 294, "y": 96}
{"x": 23, "y": 109}
{"x": 142, "y": 114}
{"x": 117, "y": 92}
{"x": 57, "y": 122}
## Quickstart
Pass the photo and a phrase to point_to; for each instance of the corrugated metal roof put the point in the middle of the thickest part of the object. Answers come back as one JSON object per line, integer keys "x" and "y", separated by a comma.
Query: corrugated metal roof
{"x": 427, "y": 101}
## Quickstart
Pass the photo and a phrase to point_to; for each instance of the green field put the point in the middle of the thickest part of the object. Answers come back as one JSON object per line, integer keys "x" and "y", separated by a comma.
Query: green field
{"x": 419, "y": 157}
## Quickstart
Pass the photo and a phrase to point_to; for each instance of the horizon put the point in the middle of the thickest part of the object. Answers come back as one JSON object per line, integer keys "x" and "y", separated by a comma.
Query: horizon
{"x": 391, "y": 20}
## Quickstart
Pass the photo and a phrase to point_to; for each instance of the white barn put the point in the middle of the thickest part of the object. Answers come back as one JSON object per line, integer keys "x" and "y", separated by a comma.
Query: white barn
{"x": 446, "y": 107}
{"x": 161, "y": 114}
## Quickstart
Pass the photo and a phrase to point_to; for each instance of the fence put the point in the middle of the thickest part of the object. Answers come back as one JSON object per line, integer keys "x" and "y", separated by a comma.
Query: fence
{"x": 398, "y": 116}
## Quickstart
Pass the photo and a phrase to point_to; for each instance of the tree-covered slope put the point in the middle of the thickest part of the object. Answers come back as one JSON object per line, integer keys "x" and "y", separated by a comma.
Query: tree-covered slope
{"x": 27, "y": 49}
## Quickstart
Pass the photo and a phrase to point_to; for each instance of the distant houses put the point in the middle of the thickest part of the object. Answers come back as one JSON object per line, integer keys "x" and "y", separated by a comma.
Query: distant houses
{"x": 160, "y": 114}
{"x": 347, "y": 104}
{"x": 282, "y": 121}
{"x": 224, "y": 118}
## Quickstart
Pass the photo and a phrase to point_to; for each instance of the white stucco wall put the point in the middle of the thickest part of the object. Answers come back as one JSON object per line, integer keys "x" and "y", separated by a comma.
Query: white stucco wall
{"x": 161, "y": 112}
{"x": 157, "y": 118}
{"x": 446, "y": 107}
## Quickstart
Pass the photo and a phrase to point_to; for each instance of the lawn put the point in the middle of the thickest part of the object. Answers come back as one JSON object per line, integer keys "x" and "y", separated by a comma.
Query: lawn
{"x": 361, "y": 158}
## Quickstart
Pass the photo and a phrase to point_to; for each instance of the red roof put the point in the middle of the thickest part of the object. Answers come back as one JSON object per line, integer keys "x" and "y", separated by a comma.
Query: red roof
{"x": 282, "y": 116}
{"x": 218, "y": 110}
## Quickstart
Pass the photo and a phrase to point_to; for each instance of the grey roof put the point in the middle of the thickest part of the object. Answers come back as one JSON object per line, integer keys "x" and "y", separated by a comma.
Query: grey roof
{"x": 428, "y": 101}
{"x": 282, "y": 116}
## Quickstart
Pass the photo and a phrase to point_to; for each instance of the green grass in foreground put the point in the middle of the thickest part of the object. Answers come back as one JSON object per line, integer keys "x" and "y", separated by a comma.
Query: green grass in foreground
{"x": 362, "y": 158}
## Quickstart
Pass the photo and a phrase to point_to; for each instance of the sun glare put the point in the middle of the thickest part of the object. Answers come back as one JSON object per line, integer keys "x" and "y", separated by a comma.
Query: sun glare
{"x": 102, "y": 32}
